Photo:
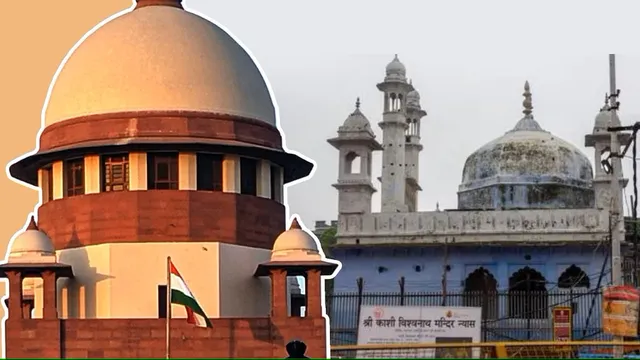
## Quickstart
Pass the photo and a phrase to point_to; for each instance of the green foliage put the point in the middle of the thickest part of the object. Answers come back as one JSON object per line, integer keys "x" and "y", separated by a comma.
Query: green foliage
{"x": 327, "y": 240}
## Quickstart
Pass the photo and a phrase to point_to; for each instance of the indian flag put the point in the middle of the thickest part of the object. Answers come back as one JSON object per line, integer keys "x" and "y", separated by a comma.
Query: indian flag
{"x": 181, "y": 295}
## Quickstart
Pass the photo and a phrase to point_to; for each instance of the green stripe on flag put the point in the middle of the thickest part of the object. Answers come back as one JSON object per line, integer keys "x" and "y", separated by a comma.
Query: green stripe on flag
{"x": 178, "y": 297}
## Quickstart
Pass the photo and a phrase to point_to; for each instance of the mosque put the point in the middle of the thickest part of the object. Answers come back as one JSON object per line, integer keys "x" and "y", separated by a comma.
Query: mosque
{"x": 532, "y": 218}
{"x": 160, "y": 140}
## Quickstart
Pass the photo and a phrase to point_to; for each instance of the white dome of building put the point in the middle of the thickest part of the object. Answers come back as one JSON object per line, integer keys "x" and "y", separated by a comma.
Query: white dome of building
{"x": 526, "y": 167}
{"x": 395, "y": 70}
{"x": 605, "y": 119}
{"x": 395, "y": 67}
{"x": 32, "y": 245}
{"x": 159, "y": 58}
{"x": 295, "y": 244}
{"x": 413, "y": 98}
{"x": 356, "y": 121}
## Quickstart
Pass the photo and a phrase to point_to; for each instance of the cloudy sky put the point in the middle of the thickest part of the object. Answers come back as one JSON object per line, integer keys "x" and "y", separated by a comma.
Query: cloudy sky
{"x": 469, "y": 60}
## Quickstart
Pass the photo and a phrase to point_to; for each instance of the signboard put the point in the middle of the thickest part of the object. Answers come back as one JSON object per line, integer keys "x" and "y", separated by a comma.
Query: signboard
{"x": 415, "y": 324}
{"x": 620, "y": 311}
{"x": 562, "y": 323}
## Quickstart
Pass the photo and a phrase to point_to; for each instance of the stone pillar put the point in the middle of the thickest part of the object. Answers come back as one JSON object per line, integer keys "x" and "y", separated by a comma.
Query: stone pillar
{"x": 188, "y": 169}
{"x": 49, "y": 295}
{"x": 231, "y": 174}
{"x": 92, "y": 174}
{"x": 15, "y": 295}
{"x": 27, "y": 307}
{"x": 137, "y": 171}
{"x": 314, "y": 293}
{"x": 279, "y": 307}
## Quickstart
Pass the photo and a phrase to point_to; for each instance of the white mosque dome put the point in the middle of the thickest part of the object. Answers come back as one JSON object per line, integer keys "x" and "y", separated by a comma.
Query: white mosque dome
{"x": 295, "y": 244}
{"x": 396, "y": 70}
{"x": 523, "y": 152}
{"x": 605, "y": 119}
{"x": 31, "y": 243}
{"x": 159, "y": 58}
{"x": 356, "y": 121}
{"x": 550, "y": 171}
{"x": 413, "y": 98}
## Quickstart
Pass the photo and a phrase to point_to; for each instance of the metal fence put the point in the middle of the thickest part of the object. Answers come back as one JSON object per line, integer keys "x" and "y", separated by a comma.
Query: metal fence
{"x": 507, "y": 316}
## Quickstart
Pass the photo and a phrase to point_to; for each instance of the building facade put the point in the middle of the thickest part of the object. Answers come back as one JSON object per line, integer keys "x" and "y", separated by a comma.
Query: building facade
{"x": 533, "y": 220}
{"x": 160, "y": 140}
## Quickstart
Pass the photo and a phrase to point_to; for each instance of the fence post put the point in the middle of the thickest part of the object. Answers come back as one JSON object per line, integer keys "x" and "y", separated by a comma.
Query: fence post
{"x": 360, "y": 285}
{"x": 401, "y": 283}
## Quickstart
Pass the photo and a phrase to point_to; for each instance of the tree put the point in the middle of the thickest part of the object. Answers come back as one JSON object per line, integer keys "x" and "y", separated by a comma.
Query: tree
{"x": 327, "y": 240}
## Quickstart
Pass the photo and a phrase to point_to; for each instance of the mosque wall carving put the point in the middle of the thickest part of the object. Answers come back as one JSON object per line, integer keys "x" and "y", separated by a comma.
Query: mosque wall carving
{"x": 585, "y": 224}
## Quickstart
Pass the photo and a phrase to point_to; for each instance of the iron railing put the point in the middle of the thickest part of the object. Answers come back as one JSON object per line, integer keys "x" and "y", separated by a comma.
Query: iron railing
{"x": 507, "y": 316}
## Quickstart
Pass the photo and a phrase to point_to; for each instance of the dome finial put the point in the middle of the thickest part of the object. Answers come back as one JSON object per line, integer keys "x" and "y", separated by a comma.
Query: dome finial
{"x": 527, "y": 103}
{"x": 358, "y": 103}
{"x": 606, "y": 102}
{"x": 32, "y": 224}
{"x": 295, "y": 224}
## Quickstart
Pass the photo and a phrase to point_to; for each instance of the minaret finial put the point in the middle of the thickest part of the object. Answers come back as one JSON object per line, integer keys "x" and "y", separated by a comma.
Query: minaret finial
{"x": 295, "y": 224}
{"x": 396, "y": 57}
{"x": 528, "y": 105}
{"x": 358, "y": 103}
{"x": 32, "y": 224}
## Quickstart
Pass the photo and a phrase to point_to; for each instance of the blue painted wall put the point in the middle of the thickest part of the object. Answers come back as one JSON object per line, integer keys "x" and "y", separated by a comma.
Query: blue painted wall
{"x": 422, "y": 270}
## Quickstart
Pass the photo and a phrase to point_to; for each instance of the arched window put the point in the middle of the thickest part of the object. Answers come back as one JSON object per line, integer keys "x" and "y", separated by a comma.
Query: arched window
{"x": 528, "y": 298}
{"x": 573, "y": 277}
{"x": 353, "y": 163}
{"x": 481, "y": 290}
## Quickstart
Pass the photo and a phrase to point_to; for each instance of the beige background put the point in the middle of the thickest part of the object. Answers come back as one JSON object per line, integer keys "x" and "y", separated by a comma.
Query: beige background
{"x": 35, "y": 36}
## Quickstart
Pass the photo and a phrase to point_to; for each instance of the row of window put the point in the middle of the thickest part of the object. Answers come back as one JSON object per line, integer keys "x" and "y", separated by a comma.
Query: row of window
{"x": 163, "y": 174}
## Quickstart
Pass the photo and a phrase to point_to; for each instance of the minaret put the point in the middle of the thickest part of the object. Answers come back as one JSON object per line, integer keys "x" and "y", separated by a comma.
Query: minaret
{"x": 394, "y": 126}
{"x": 356, "y": 143}
{"x": 600, "y": 141}
{"x": 412, "y": 149}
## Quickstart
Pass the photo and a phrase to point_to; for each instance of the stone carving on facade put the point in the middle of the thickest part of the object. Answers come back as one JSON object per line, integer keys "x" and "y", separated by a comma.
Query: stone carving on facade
{"x": 549, "y": 222}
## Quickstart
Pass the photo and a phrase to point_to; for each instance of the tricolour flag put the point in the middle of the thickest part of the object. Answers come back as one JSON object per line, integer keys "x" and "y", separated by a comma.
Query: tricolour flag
{"x": 181, "y": 295}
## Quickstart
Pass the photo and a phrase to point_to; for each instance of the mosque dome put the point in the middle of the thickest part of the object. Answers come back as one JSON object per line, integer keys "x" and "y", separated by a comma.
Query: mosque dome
{"x": 527, "y": 167}
{"x": 396, "y": 70}
{"x": 159, "y": 58}
{"x": 356, "y": 120}
{"x": 31, "y": 243}
{"x": 295, "y": 244}
{"x": 605, "y": 119}
{"x": 413, "y": 98}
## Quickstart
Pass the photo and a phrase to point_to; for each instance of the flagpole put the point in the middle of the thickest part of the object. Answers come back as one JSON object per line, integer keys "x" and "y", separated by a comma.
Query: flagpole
{"x": 168, "y": 339}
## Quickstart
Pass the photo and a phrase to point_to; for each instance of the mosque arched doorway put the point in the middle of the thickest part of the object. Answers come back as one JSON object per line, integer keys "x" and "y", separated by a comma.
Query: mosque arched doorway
{"x": 481, "y": 290}
{"x": 573, "y": 282}
{"x": 572, "y": 278}
{"x": 528, "y": 297}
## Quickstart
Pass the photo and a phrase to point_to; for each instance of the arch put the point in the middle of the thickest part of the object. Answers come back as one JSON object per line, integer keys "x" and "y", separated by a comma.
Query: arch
{"x": 573, "y": 277}
{"x": 481, "y": 290}
{"x": 353, "y": 163}
{"x": 528, "y": 297}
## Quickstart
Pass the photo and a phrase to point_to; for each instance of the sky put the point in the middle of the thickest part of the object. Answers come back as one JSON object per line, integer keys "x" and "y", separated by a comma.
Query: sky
{"x": 469, "y": 61}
